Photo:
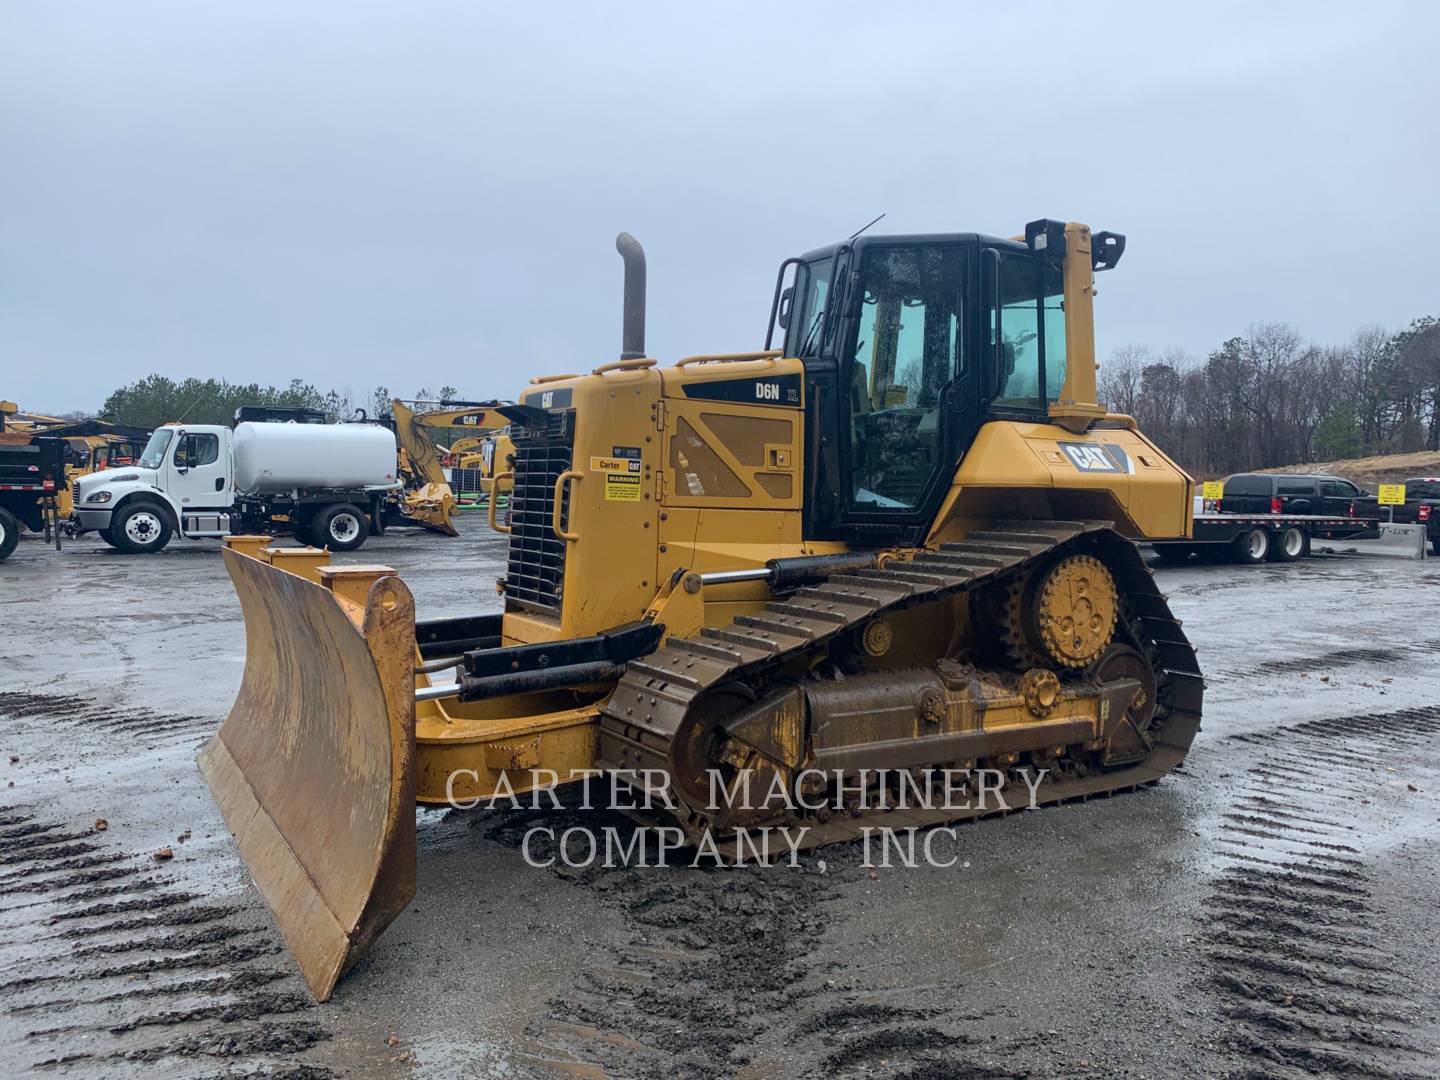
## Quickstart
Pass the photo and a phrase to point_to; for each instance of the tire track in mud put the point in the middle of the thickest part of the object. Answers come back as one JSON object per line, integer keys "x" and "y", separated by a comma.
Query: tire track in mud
{"x": 101, "y": 949}
{"x": 1305, "y": 981}
{"x": 720, "y": 976}
{"x": 86, "y": 715}
{"x": 1337, "y": 658}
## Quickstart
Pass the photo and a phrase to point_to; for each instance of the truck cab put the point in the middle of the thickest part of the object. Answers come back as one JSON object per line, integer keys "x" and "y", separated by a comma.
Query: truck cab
{"x": 181, "y": 482}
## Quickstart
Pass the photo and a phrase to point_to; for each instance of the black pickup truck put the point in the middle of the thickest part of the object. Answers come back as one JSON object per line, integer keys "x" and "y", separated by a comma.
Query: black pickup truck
{"x": 1422, "y": 507}
{"x": 30, "y": 475}
{"x": 1290, "y": 493}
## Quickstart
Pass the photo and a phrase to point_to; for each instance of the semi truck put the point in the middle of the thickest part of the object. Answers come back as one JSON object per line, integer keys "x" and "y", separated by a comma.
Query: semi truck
{"x": 324, "y": 484}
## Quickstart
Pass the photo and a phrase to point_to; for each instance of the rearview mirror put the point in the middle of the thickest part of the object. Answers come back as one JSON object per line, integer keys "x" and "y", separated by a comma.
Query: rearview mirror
{"x": 786, "y": 298}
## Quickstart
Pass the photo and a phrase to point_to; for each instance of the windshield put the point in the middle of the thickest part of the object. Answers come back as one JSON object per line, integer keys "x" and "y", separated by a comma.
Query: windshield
{"x": 154, "y": 454}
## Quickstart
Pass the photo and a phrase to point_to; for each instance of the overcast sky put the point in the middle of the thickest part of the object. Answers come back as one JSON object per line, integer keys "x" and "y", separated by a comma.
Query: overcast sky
{"x": 413, "y": 194}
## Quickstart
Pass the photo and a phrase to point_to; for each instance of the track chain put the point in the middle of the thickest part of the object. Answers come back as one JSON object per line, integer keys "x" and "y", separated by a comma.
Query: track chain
{"x": 653, "y": 699}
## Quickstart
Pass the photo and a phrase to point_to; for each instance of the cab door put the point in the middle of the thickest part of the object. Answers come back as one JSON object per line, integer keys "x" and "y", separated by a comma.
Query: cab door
{"x": 197, "y": 474}
{"x": 910, "y": 385}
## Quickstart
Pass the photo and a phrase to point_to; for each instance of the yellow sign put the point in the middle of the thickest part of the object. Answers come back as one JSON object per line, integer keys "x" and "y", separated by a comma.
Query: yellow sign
{"x": 1212, "y": 489}
{"x": 622, "y": 487}
{"x": 1391, "y": 495}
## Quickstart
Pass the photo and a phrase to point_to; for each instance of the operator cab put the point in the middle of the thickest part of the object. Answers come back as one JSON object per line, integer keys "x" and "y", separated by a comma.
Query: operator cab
{"x": 911, "y": 343}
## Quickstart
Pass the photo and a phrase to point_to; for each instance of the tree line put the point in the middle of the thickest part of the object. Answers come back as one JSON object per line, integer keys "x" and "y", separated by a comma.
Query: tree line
{"x": 157, "y": 399}
{"x": 1271, "y": 398}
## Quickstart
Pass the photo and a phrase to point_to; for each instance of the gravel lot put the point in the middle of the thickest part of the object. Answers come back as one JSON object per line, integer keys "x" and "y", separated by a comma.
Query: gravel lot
{"x": 1271, "y": 909}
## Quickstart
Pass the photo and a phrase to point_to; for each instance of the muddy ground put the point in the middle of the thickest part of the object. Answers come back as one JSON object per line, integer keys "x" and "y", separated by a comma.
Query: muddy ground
{"x": 1272, "y": 909}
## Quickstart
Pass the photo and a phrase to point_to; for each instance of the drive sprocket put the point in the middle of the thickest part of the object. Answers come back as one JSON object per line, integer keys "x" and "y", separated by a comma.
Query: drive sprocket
{"x": 1062, "y": 615}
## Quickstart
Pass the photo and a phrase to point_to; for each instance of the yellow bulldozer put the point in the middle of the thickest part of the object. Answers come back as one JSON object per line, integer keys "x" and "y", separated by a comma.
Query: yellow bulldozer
{"x": 902, "y": 541}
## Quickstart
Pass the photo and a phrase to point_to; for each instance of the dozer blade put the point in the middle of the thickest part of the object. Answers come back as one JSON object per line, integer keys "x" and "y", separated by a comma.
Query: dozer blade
{"x": 314, "y": 768}
{"x": 431, "y": 506}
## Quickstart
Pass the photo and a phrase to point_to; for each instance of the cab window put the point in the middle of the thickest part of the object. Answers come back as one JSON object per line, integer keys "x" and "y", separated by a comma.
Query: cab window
{"x": 1031, "y": 356}
{"x": 813, "y": 288}
{"x": 196, "y": 450}
{"x": 907, "y": 350}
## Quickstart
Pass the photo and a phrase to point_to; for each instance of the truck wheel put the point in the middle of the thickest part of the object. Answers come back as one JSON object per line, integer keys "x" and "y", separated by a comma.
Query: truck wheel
{"x": 9, "y": 533}
{"x": 104, "y": 534}
{"x": 1288, "y": 545}
{"x": 1251, "y": 546}
{"x": 1435, "y": 546}
{"x": 341, "y": 527}
{"x": 303, "y": 534}
{"x": 1173, "y": 553}
{"x": 141, "y": 528}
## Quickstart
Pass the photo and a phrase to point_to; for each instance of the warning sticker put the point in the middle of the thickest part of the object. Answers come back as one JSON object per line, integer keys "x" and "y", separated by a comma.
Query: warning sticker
{"x": 615, "y": 464}
{"x": 622, "y": 486}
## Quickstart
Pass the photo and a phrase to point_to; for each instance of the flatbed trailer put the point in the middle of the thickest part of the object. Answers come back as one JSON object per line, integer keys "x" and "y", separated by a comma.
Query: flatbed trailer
{"x": 1255, "y": 538}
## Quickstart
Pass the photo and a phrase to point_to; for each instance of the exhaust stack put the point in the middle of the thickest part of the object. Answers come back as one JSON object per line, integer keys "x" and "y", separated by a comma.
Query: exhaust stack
{"x": 632, "y": 334}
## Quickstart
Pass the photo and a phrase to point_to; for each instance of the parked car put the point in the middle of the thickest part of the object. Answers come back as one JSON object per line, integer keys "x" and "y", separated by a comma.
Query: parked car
{"x": 1290, "y": 493}
{"x": 1422, "y": 507}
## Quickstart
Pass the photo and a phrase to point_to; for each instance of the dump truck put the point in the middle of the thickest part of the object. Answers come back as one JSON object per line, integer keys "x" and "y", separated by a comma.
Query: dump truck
{"x": 325, "y": 484}
{"x": 903, "y": 541}
{"x": 31, "y": 475}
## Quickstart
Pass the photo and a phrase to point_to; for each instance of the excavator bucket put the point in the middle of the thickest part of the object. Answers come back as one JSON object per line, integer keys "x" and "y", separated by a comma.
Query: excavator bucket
{"x": 314, "y": 768}
{"x": 432, "y": 506}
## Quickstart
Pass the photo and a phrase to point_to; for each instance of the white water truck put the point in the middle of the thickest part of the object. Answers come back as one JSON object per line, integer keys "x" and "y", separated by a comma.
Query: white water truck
{"x": 324, "y": 484}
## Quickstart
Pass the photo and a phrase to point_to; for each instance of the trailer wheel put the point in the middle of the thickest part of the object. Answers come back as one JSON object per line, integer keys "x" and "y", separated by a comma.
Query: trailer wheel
{"x": 341, "y": 527}
{"x": 1251, "y": 546}
{"x": 1173, "y": 553}
{"x": 141, "y": 528}
{"x": 1289, "y": 545}
{"x": 9, "y": 533}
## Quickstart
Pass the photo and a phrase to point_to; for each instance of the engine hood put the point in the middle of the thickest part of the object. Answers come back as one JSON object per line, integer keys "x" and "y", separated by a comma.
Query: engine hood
{"x": 125, "y": 474}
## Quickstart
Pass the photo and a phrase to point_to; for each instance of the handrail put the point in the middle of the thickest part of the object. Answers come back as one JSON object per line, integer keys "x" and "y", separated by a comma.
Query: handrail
{"x": 1123, "y": 419}
{"x": 494, "y": 493}
{"x": 625, "y": 365}
{"x": 536, "y": 380}
{"x": 730, "y": 358}
{"x": 568, "y": 474}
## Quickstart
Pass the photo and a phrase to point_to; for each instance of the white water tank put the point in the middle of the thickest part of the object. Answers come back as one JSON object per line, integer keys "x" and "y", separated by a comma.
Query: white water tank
{"x": 274, "y": 458}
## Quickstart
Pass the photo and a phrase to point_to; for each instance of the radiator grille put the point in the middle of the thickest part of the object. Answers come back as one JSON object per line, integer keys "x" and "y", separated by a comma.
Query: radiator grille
{"x": 537, "y": 556}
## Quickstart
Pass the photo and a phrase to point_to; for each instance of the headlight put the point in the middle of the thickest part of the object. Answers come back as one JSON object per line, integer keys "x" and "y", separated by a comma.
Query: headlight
{"x": 99, "y": 497}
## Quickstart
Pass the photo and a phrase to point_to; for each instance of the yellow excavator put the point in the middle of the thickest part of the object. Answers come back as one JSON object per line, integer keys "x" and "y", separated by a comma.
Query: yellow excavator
{"x": 428, "y": 499}
{"x": 902, "y": 541}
